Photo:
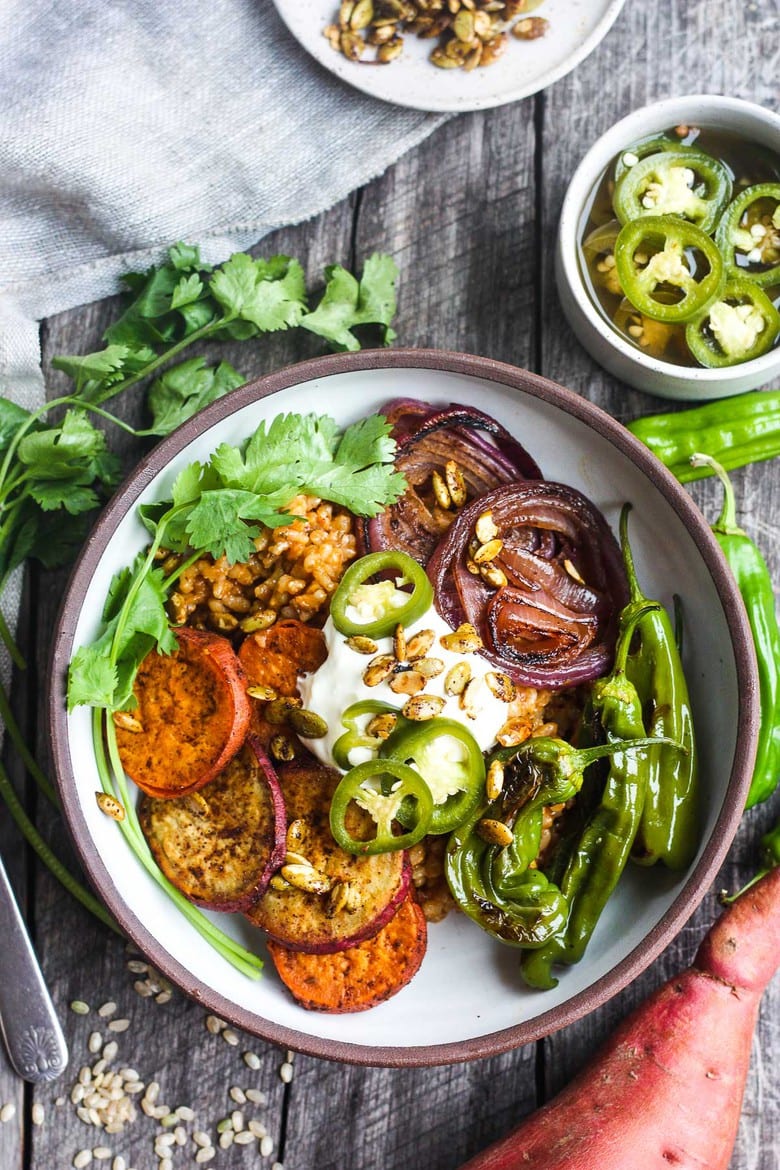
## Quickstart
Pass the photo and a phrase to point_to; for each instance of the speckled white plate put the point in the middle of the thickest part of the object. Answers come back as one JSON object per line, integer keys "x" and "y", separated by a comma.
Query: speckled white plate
{"x": 467, "y": 1000}
{"x": 576, "y": 27}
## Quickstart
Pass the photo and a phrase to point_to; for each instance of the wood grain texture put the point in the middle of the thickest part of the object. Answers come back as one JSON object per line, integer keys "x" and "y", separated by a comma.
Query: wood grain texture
{"x": 470, "y": 217}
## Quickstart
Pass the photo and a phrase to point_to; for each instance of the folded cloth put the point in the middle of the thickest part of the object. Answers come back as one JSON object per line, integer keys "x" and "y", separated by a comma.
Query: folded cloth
{"x": 127, "y": 127}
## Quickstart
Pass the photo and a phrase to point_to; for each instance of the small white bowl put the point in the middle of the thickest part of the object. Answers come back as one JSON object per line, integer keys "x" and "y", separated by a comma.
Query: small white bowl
{"x": 604, "y": 343}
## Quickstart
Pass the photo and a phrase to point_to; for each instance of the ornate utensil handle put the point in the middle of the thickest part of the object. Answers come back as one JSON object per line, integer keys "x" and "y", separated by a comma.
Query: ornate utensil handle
{"x": 31, "y": 1030}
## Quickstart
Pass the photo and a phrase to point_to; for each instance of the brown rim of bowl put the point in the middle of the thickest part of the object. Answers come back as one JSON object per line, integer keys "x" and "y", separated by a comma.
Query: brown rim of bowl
{"x": 698, "y": 881}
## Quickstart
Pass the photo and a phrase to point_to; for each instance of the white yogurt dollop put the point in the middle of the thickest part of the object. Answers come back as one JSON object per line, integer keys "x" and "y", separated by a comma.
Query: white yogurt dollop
{"x": 339, "y": 683}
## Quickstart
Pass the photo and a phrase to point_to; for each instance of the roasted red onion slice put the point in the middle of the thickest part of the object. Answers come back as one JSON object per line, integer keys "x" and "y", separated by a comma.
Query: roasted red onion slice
{"x": 547, "y": 604}
{"x": 484, "y": 451}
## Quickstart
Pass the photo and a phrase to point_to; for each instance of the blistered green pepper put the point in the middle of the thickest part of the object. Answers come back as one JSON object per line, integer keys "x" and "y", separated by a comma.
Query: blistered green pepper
{"x": 669, "y": 828}
{"x": 603, "y": 846}
{"x": 495, "y": 884}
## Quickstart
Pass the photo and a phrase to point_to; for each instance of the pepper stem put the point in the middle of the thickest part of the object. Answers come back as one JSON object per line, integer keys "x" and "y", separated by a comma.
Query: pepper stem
{"x": 635, "y": 592}
{"x": 727, "y": 521}
{"x": 586, "y": 756}
{"x": 627, "y": 633}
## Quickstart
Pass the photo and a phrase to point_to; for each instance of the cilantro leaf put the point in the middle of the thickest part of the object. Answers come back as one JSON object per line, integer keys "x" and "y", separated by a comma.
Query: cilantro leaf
{"x": 12, "y": 417}
{"x": 92, "y": 680}
{"x": 268, "y": 294}
{"x": 217, "y": 525}
{"x": 75, "y": 451}
{"x": 185, "y": 389}
{"x": 346, "y": 303}
{"x": 273, "y": 458}
{"x": 186, "y": 258}
{"x": 186, "y": 291}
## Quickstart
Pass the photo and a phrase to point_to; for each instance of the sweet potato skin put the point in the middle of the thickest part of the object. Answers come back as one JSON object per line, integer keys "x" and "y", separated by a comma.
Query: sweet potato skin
{"x": 359, "y": 978}
{"x": 194, "y": 712}
{"x": 666, "y": 1090}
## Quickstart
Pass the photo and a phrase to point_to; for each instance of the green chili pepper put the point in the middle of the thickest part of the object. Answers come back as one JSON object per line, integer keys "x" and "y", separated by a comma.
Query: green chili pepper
{"x": 755, "y": 585}
{"x": 357, "y": 577}
{"x": 495, "y": 885}
{"x": 769, "y": 858}
{"x": 756, "y": 257}
{"x": 740, "y": 325}
{"x": 603, "y": 847}
{"x": 669, "y": 828}
{"x": 736, "y": 431}
{"x": 660, "y": 184}
{"x": 652, "y": 145}
{"x": 354, "y": 736}
{"x": 656, "y": 272}
{"x": 380, "y": 788}
{"x": 450, "y": 761}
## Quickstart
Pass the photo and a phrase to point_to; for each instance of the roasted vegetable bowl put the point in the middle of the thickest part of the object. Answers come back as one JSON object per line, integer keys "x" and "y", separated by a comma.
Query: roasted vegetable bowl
{"x": 491, "y": 996}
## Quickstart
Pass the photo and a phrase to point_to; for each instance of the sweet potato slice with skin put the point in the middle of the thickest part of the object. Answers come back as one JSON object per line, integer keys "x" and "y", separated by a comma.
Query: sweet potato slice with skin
{"x": 362, "y": 976}
{"x": 221, "y": 845}
{"x": 375, "y": 886}
{"x": 276, "y": 657}
{"x": 194, "y": 715}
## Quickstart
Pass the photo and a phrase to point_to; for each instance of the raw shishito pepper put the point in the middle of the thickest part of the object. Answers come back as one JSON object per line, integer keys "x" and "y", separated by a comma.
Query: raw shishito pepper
{"x": 755, "y": 585}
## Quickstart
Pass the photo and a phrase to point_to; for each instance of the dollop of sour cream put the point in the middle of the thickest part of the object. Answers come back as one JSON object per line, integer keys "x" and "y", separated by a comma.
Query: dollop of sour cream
{"x": 339, "y": 683}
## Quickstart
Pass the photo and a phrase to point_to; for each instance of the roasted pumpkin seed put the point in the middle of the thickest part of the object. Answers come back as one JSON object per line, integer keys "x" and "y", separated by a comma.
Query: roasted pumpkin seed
{"x": 494, "y": 780}
{"x": 362, "y": 15}
{"x": 399, "y": 644}
{"x": 494, "y": 832}
{"x": 259, "y": 621}
{"x": 261, "y": 692}
{"x": 127, "y": 722}
{"x": 110, "y": 806}
{"x": 390, "y": 50}
{"x": 379, "y": 669}
{"x": 486, "y": 528}
{"x": 492, "y": 574}
{"x": 362, "y": 645}
{"x": 457, "y": 678}
{"x": 308, "y": 724}
{"x": 419, "y": 644}
{"x": 422, "y": 707}
{"x": 306, "y": 878}
{"x": 440, "y": 492}
{"x": 501, "y": 685}
{"x": 381, "y": 725}
{"x": 408, "y": 682}
{"x": 429, "y": 667}
{"x": 488, "y": 552}
{"x": 474, "y": 697}
{"x": 278, "y": 710}
{"x": 282, "y": 749}
{"x": 464, "y": 640}
{"x": 573, "y": 571}
{"x": 456, "y": 484}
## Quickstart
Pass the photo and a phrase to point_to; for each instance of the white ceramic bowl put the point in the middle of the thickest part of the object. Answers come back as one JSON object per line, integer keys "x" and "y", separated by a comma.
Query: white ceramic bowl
{"x": 467, "y": 1000}
{"x": 667, "y": 380}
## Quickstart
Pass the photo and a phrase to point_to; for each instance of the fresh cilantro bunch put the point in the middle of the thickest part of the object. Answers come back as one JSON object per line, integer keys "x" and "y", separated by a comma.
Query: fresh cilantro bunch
{"x": 218, "y": 508}
{"x": 184, "y": 300}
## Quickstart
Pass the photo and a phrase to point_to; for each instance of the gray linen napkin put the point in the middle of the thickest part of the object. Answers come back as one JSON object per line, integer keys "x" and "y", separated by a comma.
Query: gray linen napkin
{"x": 128, "y": 125}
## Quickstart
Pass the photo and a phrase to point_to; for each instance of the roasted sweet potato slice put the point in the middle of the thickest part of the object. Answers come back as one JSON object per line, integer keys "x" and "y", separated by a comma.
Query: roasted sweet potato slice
{"x": 192, "y": 717}
{"x": 221, "y": 844}
{"x": 361, "y": 976}
{"x": 363, "y": 893}
{"x": 276, "y": 657}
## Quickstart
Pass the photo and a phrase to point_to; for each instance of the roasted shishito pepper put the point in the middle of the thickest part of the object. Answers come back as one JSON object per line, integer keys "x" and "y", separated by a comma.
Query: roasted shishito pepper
{"x": 491, "y": 861}
{"x": 669, "y": 827}
{"x": 755, "y": 585}
{"x": 598, "y": 855}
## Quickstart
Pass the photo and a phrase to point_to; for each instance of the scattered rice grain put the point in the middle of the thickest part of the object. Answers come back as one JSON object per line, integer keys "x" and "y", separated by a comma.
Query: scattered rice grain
{"x": 256, "y": 1097}
{"x": 201, "y": 1138}
{"x": 107, "y": 1009}
{"x": 185, "y": 1113}
{"x": 163, "y": 997}
{"x": 79, "y": 1007}
{"x": 143, "y": 988}
{"x": 169, "y": 1120}
{"x": 286, "y": 1072}
{"x": 214, "y": 1025}
{"x": 226, "y": 1139}
{"x": 245, "y": 1138}
{"x": 204, "y": 1155}
{"x": 98, "y": 1068}
{"x": 152, "y": 1092}
{"x": 101, "y": 1153}
{"x": 238, "y": 1095}
{"x": 257, "y": 1128}
{"x": 180, "y": 1134}
{"x": 237, "y": 1120}
{"x": 82, "y": 1158}
{"x": 166, "y": 1164}
{"x": 252, "y": 1060}
{"x": 266, "y": 1145}
{"x": 95, "y": 1042}
{"x": 119, "y": 1163}
{"x": 137, "y": 966}
{"x": 110, "y": 1050}
{"x": 7, "y": 1112}
{"x": 37, "y": 1113}
{"x": 119, "y": 1025}
{"x": 230, "y": 1037}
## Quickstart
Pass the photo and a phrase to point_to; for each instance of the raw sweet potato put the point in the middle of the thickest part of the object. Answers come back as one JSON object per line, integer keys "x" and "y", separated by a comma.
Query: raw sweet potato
{"x": 361, "y": 976}
{"x": 221, "y": 844}
{"x": 666, "y": 1090}
{"x": 365, "y": 892}
{"x": 192, "y": 716}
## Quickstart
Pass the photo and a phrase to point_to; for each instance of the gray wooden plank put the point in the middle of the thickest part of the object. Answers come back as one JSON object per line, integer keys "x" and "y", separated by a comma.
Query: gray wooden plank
{"x": 675, "y": 48}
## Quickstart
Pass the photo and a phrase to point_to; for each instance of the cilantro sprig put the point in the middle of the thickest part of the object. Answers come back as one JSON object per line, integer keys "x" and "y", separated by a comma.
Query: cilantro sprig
{"x": 53, "y": 474}
{"x": 218, "y": 508}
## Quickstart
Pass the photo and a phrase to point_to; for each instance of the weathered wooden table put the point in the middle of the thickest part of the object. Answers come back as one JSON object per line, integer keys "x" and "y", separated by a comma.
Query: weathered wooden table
{"x": 470, "y": 217}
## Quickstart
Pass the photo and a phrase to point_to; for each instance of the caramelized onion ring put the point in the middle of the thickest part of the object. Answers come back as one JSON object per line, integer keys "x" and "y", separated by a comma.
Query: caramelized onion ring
{"x": 553, "y": 622}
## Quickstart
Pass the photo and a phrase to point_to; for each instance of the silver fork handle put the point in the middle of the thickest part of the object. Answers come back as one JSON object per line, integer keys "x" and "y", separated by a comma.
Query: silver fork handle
{"x": 32, "y": 1033}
